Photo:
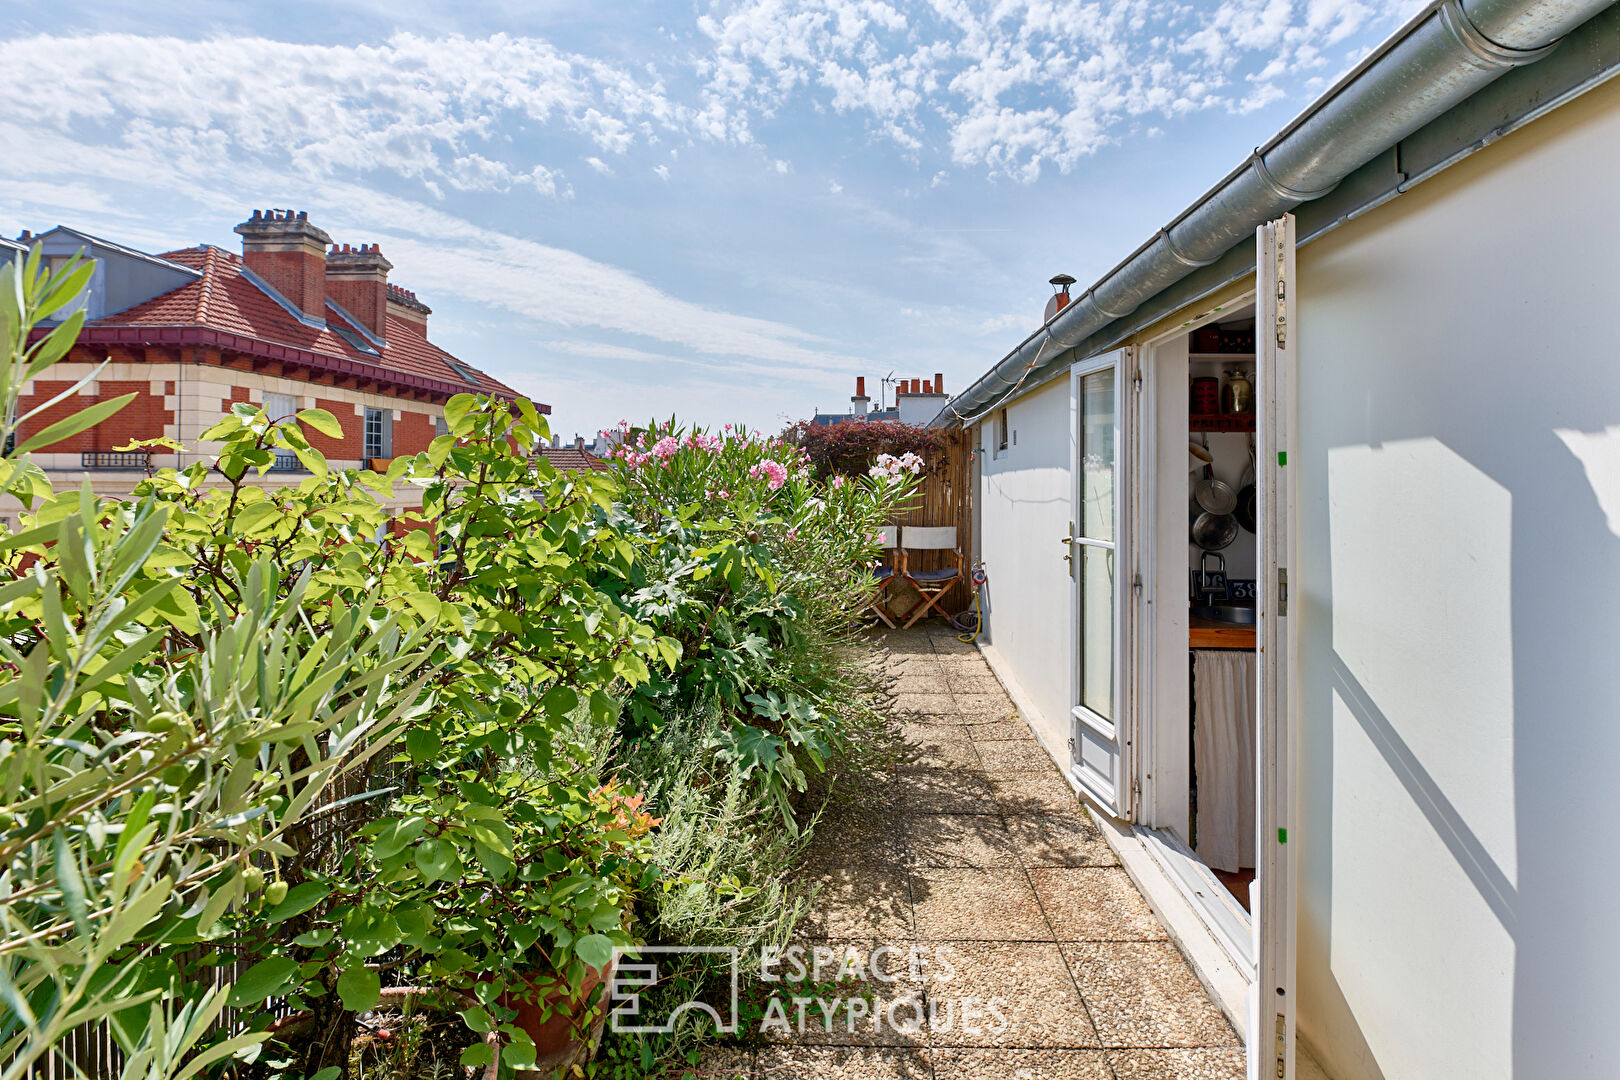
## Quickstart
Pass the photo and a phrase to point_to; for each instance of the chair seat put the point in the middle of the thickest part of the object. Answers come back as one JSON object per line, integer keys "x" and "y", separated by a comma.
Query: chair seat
{"x": 932, "y": 576}
{"x": 883, "y": 573}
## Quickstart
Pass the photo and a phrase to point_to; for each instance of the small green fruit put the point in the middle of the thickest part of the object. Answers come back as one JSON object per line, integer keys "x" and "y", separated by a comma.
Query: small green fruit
{"x": 275, "y": 892}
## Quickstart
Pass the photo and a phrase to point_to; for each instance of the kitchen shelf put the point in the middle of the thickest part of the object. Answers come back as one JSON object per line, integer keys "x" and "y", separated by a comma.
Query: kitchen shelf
{"x": 1221, "y": 422}
{"x": 1249, "y": 356}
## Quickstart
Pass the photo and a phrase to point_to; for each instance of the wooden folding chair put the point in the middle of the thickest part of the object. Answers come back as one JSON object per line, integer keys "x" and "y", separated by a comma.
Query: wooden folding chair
{"x": 932, "y": 584}
{"x": 883, "y": 575}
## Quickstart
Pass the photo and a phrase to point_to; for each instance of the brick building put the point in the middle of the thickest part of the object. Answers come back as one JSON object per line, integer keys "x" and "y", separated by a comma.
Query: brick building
{"x": 293, "y": 322}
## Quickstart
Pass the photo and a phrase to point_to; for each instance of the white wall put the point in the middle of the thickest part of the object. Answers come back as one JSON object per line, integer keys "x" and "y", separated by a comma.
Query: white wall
{"x": 1459, "y": 597}
{"x": 1024, "y": 509}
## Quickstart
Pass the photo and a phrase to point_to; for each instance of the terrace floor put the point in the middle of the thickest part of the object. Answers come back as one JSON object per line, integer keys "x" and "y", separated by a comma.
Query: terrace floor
{"x": 1039, "y": 959}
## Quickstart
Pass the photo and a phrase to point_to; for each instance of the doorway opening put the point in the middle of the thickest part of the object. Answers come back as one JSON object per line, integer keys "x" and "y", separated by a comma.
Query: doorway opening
{"x": 1198, "y": 672}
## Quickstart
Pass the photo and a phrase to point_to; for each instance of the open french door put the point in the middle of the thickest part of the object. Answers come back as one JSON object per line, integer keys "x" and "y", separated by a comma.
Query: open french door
{"x": 1102, "y": 400}
{"x": 1271, "y": 996}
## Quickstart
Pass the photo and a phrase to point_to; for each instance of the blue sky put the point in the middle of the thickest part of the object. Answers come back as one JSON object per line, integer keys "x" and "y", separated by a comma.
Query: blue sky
{"x": 722, "y": 210}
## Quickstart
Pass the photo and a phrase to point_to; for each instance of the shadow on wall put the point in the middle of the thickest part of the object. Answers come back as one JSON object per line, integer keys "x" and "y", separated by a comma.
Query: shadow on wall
{"x": 1461, "y": 541}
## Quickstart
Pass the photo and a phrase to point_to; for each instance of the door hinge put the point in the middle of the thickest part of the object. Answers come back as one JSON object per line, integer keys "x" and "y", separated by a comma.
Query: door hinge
{"x": 1282, "y": 590}
{"x": 1136, "y": 381}
{"x": 1136, "y": 584}
{"x": 1074, "y": 753}
{"x": 1136, "y": 790}
{"x": 1282, "y": 300}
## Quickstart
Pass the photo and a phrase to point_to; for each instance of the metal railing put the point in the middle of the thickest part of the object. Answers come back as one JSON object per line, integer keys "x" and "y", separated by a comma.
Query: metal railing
{"x": 115, "y": 459}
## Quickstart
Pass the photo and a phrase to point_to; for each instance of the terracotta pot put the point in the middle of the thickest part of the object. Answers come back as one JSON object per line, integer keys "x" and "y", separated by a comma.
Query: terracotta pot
{"x": 564, "y": 1027}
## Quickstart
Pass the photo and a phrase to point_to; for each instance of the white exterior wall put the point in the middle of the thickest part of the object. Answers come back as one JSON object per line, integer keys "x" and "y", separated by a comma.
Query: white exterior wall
{"x": 1459, "y": 598}
{"x": 1023, "y": 512}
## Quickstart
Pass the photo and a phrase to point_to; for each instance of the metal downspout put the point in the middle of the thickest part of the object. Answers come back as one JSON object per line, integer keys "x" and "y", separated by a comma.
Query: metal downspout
{"x": 1441, "y": 58}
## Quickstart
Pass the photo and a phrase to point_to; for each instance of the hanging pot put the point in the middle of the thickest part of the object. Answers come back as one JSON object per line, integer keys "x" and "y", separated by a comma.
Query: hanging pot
{"x": 1245, "y": 512}
{"x": 1212, "y": 532}
{"x": 1212, "y": 496}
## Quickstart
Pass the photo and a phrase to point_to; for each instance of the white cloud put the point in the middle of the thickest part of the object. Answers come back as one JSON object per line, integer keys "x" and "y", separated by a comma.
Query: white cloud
{"x": 662, "y": 171}
{"x": 599, "y": 165}
{"x": 1021, "y": 85}
{"x": 782, "y": 166}
{"x": 834, "y": 187}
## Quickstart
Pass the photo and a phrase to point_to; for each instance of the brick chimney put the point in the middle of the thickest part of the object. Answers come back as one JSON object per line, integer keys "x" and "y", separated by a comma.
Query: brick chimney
{"x": 403, "y": 304}
{"x": 357, "y": 280}
{"x": 939, "y": 383}
{"x": 289, "y": 253}
{"x": 860, "y": 403}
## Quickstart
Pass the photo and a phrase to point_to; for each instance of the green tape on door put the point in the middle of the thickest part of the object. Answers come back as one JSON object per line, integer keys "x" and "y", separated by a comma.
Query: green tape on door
{"x": 1282, "y": 836}
{"x": 1282, "y": 457}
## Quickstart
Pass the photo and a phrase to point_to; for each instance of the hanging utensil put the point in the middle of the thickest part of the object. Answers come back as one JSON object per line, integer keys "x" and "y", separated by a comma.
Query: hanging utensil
{"x": 1212, "y": 532}
{"x": 1214, "y": 496}
{"x": 1245, "y": 512}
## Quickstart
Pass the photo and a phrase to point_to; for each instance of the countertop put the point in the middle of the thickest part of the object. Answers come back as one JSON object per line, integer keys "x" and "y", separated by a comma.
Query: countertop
{"x": 1209, "y": 634}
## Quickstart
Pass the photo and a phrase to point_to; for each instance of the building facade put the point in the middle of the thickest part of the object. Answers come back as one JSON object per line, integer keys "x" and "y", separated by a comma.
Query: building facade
{"x": 291, "y": 322}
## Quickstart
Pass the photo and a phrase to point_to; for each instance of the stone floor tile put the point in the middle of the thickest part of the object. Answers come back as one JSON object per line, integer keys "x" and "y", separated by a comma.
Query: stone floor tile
{"x": 1097, "y": 903}
{"x": 946, "y": 791}
{"x": 1065, "y": 840}
{"x": 989, "y": 708}
{"x": 976, "y": 905}
{"x": 726, "y": 1063}
{"x": 924, "y": 682}
{"x": 938, "y": 746}
{"x": 850, "y": 836}
{"x": 961, "y": 840}
{"x": 1142, "y": 993}
{"x": 863, "y": 1011}
{"x": 1015, "y": 756}
{"x": 1034, "y": 793}
{"x": 983, "y": 729}
{"x": 919, "y": 706}
{"x": 1034, "y": 1000}
{"x": 972, "y": 681}
{"x": 844, "y": 1063}
{"x": 1200, "y": 1064}
{"x": 925, "y": 708}
{"x": 946, "y": 644}
{"x": 860, "y": 902}
{"x": 956, "y": 1063}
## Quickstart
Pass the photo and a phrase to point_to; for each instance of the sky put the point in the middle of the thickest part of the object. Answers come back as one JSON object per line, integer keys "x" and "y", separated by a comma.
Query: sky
{"x": 722, "y": 211}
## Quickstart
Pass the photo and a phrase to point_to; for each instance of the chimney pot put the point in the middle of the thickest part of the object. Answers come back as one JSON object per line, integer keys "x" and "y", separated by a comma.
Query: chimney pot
{"x": 357, "y": 279}
{"x": 290, "y": 254}
{"x": 916, "y": 386}
{"x": 579, "y": 442}
{"x": 928, "y": 386}
{"x": 860, "y": 386}
{"x": 939, "y": 383}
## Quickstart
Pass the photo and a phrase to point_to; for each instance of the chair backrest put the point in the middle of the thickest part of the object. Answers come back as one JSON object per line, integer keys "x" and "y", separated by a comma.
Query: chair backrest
{"x": 890, "y": 536}
{"x": 928, "y": 538}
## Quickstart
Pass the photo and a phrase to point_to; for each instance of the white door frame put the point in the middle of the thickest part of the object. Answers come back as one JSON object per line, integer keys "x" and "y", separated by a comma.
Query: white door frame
{"x": 1114, "y": 793}
{"x": 1272, "y": 995}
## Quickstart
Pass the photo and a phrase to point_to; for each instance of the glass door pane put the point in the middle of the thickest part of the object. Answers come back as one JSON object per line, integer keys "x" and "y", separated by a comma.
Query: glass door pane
{"x": 1096, "y": 542}
{"x": 1097, "y": 630}
{"x": 1097, "y": 455}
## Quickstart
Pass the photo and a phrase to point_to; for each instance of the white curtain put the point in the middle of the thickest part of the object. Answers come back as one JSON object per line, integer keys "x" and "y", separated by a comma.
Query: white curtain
{"x": 1223, "y": 745}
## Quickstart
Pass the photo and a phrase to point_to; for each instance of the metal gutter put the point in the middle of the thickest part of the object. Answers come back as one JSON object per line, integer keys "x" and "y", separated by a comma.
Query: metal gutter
{"x": 1443, "y": 57}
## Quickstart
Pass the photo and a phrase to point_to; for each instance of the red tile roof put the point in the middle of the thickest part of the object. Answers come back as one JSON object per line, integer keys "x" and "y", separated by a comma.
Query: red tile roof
{"x": 223, "y": 299}
{"x": 568, "y": 459}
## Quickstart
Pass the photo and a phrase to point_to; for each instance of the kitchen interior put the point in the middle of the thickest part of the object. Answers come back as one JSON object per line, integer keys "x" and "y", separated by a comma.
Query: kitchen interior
{"x": 1221, "y": 575}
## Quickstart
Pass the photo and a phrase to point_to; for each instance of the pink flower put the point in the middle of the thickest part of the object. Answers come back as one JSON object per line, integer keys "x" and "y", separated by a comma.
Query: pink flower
{"x": 776, "y": 472}
{"x": 667, "y": 447}
{"x": 724, "y": 494}
{"x": 793, "y": 534}
{"x": 838, "y": 481}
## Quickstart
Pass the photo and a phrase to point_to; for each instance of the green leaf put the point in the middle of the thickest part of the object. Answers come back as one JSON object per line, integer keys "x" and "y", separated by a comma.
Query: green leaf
{"x": 299, "y": 899}
{"x": 262, "y": 980}
{"x": 596, "y": 950}
{"x": 395, "y": 834}
{"x": 559, "y": 702}
{"x": 437, "y": 860}
{"x": 69, "y": 426}
{"x": 322, "y": 421}
{"x": 422, "y": 743}
{"x": 478, "y": 1055}
{"x": 455, "y": 410}
{"x": 359, "y": 988}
